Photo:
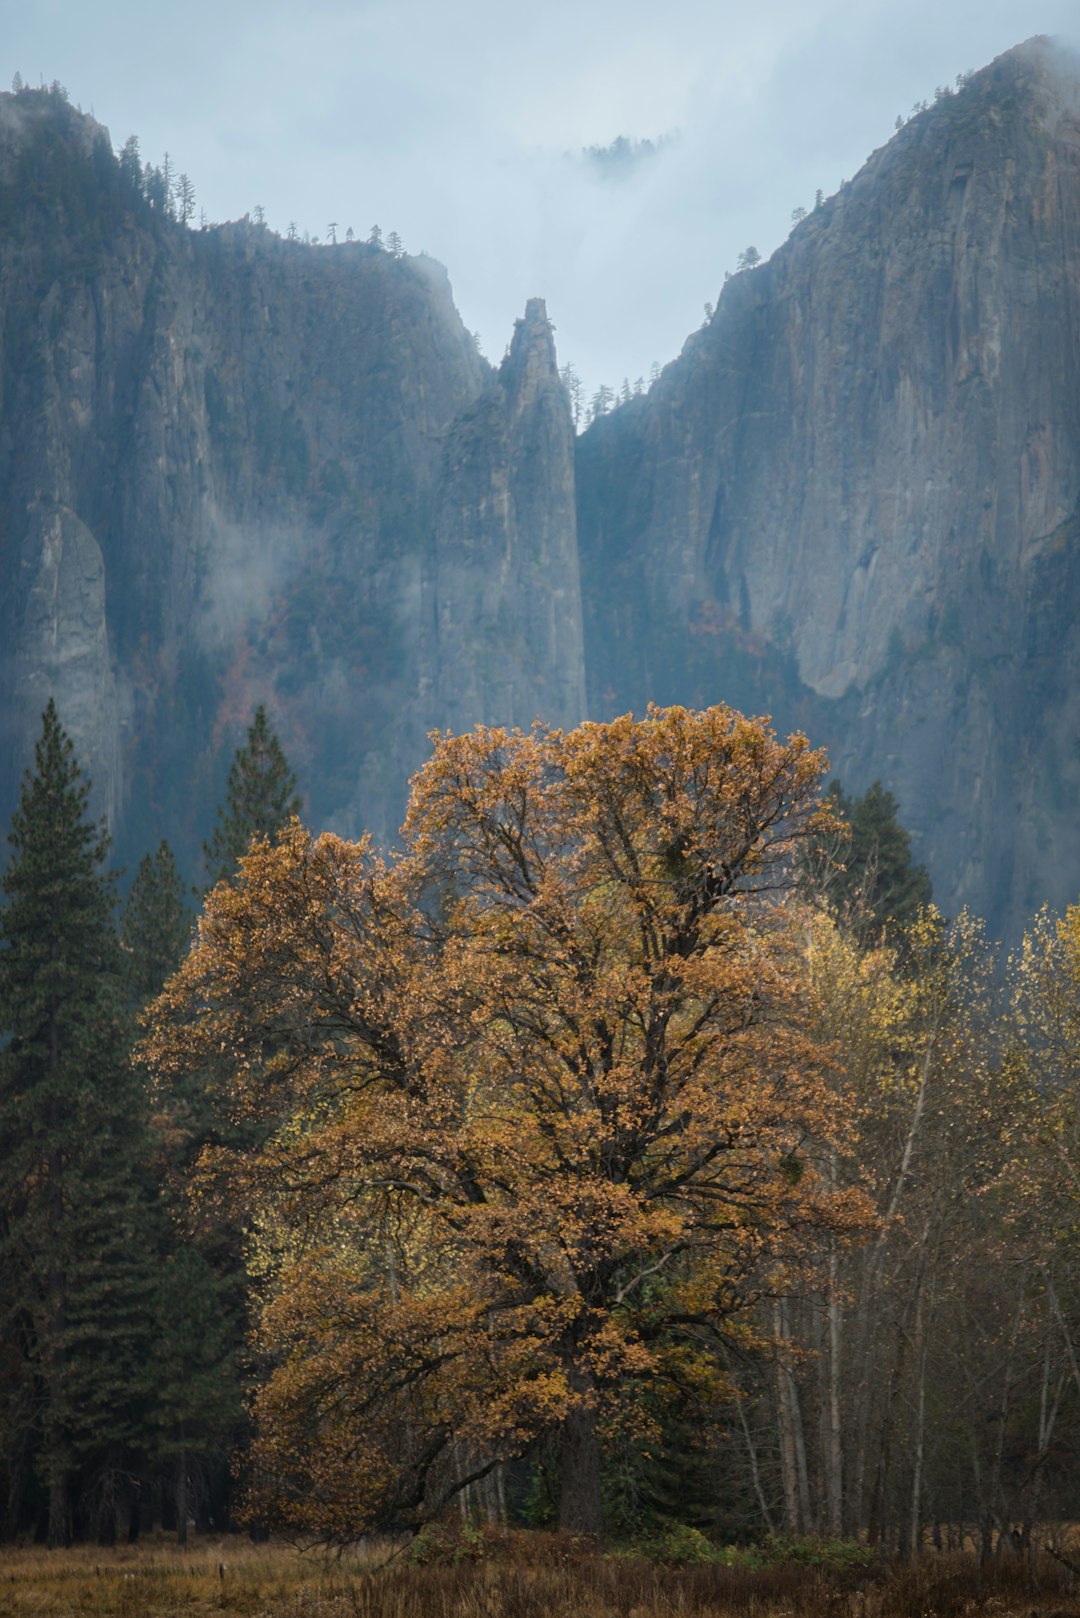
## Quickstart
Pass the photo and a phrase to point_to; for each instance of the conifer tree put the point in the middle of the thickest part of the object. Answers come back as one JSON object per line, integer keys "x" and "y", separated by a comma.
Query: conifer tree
{"x": 131, "y": 163}
{"x": 155, "y": 927}
{"x": 72, "y": 1195}
{"x": 200, "y": 1317}
{"x": 880, "y": 881}
{"x": 260, "y": 798}
{"x": 199, "y": 1393}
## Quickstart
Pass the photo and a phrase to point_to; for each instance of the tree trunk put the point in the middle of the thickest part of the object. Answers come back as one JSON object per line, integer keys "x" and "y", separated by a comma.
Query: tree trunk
{"x": 56, "y": 1464}
{"x": 755, "y": 1470}
{"x": 834, "y": 1447}
{"x": 877, "y": 1526}
{"x": 922, "y": 1342}
{"x": 134, "y": 1494}
{"x": 580, "y": 1508}
{"x": 57, "y": 1470}
{"x": 16, "y": 1470}
{"x": 792, "y": 1439}
{"x": 181, "y": 1498}
{"x": 59, "y": 1505}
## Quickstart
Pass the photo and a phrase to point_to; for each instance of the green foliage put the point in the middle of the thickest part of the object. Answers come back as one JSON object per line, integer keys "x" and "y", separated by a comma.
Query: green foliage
{"x": 131, "y": 163}
{"x": 199, "y": 1393}
{"x": 260, "y": 799}
{"x": 155, "y": 927}
{"x": 65, "y": 199}
{"x": 449, "y": 1544}
{"x": 681, "y": 1546}
{"x": 875, "y": 880}
{"x": 831, "y": 1555}
{"x": 57, "y": 915}
{"x": 76, "y": 1238}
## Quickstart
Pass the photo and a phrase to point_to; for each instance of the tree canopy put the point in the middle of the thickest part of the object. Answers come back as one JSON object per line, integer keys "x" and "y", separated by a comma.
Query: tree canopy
{"x": 876, "y": 882}
{"x": 544, "y": 1110}
{"x": 155, "y": 927}
{"x": 259, "y": 799}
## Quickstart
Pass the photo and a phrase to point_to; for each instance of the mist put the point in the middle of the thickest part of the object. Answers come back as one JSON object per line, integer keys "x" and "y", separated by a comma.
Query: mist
{"x": 463, "y": 130}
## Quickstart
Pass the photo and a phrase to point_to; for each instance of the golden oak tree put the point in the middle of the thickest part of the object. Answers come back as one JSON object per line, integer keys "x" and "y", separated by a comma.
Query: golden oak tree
{"x": 538, "y": 1102}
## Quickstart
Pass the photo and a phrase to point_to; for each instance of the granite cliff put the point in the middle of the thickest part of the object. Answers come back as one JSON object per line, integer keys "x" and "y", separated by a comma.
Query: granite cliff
{"x": 857, "y": 491}
{"x": 237, "y": 469}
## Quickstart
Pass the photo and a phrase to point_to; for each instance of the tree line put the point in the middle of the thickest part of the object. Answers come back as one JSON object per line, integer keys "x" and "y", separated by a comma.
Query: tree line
{"x": 634, "y": 1150}
{"x": 172, "y": 195}
{"x": 123, "y": 1336}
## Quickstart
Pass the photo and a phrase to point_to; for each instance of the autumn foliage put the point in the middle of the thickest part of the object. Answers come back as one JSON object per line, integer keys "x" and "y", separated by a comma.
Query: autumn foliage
{"x": 538, "y": 1106}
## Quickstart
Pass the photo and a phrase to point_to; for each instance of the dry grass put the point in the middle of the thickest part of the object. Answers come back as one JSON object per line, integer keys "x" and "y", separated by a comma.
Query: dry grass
{"x": 159, "y": 1578}
{"x": 541, "y": 1579}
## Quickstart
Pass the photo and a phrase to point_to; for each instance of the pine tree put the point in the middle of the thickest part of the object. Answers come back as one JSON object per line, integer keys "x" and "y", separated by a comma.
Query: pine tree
{"x": 260, "y": 799}
{"x": 73, "y": 1193}
{"x": 131, "y": 163}
{"x": 879, "y": 883}
{"x": 199, "y": 1391}
{"x": 185, "y": 199}
{"x": 200, "y": 1321}
{"x": 155, "y": 928}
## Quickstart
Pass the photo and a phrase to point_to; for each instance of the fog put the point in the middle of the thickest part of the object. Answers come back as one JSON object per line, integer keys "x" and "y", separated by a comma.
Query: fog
{"x": 248, "y": 568}
{"x": 462, "y": 128}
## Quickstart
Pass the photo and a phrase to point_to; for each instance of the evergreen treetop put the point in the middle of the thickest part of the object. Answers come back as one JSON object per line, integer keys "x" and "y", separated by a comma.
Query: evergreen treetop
{"x": 155, "y": 927}
{"x": 880, "y": 883}
{"x": 61, "y": 953}
{"x": 260, "y": 799}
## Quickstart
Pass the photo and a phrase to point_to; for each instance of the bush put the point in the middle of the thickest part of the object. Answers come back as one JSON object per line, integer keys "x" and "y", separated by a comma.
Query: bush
{"x": 831, "y": 1555}
{"x": 447, "y": 1544}
{"x": 680, "y": 1546}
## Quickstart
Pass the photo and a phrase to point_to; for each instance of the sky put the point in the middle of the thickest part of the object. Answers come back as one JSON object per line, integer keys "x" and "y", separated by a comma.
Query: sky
{"x": 462, "y": 125}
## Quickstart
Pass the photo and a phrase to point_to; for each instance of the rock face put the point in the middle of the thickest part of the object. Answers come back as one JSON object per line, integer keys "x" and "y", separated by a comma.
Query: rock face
{"x": 63, "y": 649}
{"x": 237, "y": 469}
{"x": 504, "y": 598}
{"x": 866, "y": 470}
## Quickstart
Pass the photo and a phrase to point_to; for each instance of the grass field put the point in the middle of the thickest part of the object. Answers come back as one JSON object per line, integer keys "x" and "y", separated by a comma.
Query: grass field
{"x": 533, "y": 1578}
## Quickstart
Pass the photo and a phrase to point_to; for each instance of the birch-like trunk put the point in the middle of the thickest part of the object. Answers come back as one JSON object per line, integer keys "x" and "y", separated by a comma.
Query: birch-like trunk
{"x": 792, "y": 1439}
{"x": 919, "y": 1443}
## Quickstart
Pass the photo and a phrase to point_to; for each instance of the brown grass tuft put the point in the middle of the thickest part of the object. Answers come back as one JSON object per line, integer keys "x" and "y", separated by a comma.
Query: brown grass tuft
{"x": 518, "y": 1576}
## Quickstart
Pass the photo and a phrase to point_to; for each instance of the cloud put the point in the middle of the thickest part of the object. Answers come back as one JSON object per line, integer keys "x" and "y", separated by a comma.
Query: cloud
{"x": 249, "y": 569}
{"x": 450, "y": 124}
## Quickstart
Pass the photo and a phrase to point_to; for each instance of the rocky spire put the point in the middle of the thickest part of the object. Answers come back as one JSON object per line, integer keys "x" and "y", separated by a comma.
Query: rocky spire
{"x": 504, "y": 587}
{"x": 530, "y": 366}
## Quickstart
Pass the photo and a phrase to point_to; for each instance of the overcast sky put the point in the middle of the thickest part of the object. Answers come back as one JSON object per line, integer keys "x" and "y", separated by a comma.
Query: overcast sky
{"x": 459, "y": 124}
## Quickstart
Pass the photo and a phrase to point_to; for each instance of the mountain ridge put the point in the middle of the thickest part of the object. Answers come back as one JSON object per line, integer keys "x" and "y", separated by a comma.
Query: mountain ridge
{"x": 855, "y": 459}
{"x": 237, "y": 469}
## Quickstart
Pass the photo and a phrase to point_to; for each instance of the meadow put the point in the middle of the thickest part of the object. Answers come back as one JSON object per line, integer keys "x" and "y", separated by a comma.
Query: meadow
{"x": 533, "y": 1577}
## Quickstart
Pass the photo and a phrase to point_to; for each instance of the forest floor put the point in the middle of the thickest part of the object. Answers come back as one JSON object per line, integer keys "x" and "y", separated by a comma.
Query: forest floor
{"x": 162, "y": 1580}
